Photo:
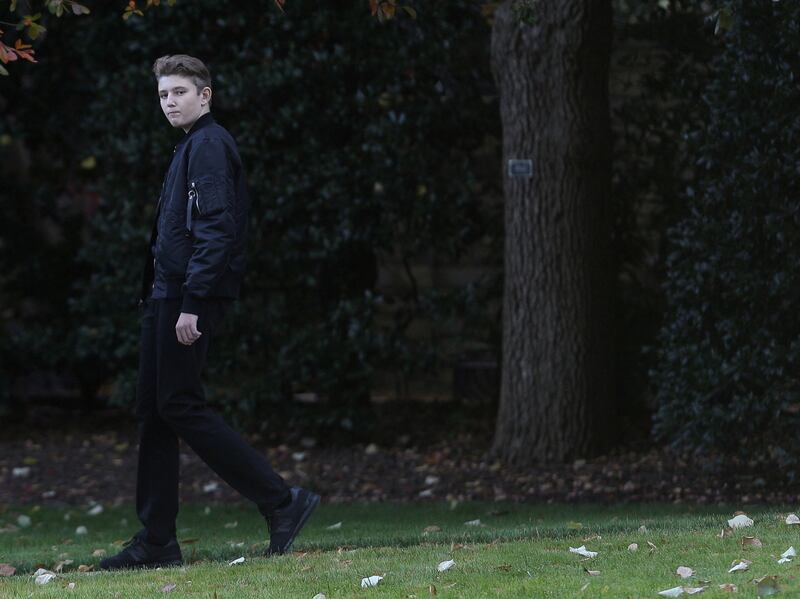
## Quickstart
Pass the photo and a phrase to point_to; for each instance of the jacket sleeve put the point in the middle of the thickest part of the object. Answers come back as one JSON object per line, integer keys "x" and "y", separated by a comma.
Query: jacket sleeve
{"x": 210, "y": 219}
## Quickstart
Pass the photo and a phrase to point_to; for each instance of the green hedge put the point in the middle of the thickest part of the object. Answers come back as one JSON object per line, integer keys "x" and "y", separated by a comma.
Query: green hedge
{"x": 726, "y": 372}
{"x": 362, "y": 144}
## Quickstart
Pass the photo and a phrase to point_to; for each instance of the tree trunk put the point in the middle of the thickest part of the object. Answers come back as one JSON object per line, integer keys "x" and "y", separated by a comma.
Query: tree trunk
{"x": 552, "y": 77}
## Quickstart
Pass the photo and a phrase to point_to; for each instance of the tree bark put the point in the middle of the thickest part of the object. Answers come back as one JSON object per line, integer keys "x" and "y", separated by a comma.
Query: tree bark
{"x": 557, "y": 377}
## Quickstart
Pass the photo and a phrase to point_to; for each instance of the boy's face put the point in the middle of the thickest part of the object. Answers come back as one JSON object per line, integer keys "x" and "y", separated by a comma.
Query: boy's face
{"x": 180, "y": 100}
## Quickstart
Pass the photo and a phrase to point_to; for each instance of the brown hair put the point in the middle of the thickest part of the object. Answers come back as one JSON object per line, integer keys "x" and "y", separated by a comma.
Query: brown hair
{"x": 187, "y": 66}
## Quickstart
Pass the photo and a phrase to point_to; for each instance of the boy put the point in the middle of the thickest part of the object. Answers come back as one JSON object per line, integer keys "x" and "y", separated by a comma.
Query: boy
{"x": 192, "y": 274}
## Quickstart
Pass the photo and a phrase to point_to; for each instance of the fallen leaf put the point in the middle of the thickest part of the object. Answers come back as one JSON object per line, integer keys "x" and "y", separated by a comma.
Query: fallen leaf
{"x": 7, "y": 570}
{"x": 71, "y": 585}
{"x": 434, "y": 528}
{"x": 643, "y": 529}
{"x": 445, "y": 566}
{"x": 729, "y": 587}
{"x": 633, "y": 547}
{"x": 592, "y": 572}
{"x": 99, "y": 553}
{"x": 740, "y": 521}
{"x": 238, "y": 560}
{"x": 751, "y": 542}
{"x": 168, "y": 587}
{"x": 24, "y": 521}
{"x": 476, "y": 522}
{"x": 372, "y": 581}
{"x": 792, "y": 519}
{"x": 592, "y": 538}
{"x": 231, "y": 524}
{"x": 504, "y": 567}
{"x": 336, "y": 526}
{"x": 319, "y": 596}
{"x": 583, "y": 551}
{"x": 673, "y": 592}
{"x": 432, "y": 589}
{"x": 652, "y": 546}
{"x": 767, "y": 586}
{"x": 95, "y": 510}
{"x": 693, "y": 590}
{"x": 85, "y": 568}
{"x": 684, "y": 571}
{"x": 584, "y": 587}
{"x": 210, "y": 488}
{"x": 725, "y": 532}
{"x": 740, "y": 565}
{"x": 81, "y": 530}
{"x": 787, "y": 556}
{"x": 45, "y": 578}
{"x": 574, "y": 525}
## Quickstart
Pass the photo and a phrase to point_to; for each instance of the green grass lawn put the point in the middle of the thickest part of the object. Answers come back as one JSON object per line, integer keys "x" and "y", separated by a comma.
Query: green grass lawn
{"x": 517, "y": 551}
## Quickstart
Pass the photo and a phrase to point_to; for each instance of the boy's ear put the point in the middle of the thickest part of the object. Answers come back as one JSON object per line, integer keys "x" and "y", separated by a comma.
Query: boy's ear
{"x": 205, "y": 93}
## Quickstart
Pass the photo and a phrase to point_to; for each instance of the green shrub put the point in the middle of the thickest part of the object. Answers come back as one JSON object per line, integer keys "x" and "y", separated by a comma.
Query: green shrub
{"x": 726, "y": 368}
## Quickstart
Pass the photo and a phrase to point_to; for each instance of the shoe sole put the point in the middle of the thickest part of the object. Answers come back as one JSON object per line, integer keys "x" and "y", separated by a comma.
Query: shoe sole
{"x": 148, "y": 566}
{"x": 311, "y": 504}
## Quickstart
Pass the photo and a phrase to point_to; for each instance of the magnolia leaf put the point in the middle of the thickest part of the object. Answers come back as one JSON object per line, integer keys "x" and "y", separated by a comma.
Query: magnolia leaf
{"x": 684, "y": 571}
{"x": 740, "y": 565}
{"x": 592, "y": 572}
{"x": 81, "y": 530}
{"x": 729, "y": 587}
{"x": 319, "y": 596}
{"x": 673, "y": 592}
{"x": 792, "y": 519}
{"x": 693, "y": 590}
{"x": 790, "y": 552}
{"x": 643, "y": 529}
{"x": 7, "y": 570}
{"x": 24, "y": 521}
{"x": 336, "y": 526}
{"x": 767, "y": 586}
{"x": 445, "y": 566}
{"x": 740, "y": 521}
{"x": 372, "y": 581}
{"x": 633, "y": 547}
{"x": 583, "y": 551}
{"x": 238, "y": 560}
{"x": 45, "y": 578}
{"x": 476, "y": 522}
{"x": 97, "y": 509}
{"x": 168, "y": 587}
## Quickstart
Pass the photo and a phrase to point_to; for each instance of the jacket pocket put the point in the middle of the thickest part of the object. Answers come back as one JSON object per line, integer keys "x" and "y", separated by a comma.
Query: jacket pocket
{"x": 205, "y": 197}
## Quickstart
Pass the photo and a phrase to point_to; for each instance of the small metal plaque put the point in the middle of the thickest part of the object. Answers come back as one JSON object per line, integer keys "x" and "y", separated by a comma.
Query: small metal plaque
{"x": 520, "y": 168}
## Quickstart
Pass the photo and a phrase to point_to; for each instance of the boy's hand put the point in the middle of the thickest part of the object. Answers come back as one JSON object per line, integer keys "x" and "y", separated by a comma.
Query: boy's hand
{"x": 186, "y": 329}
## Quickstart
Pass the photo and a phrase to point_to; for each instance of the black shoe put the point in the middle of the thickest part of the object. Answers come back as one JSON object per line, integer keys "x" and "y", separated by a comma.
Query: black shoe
{"x": 138, "y": 553}
{"x": 285, "y": 523}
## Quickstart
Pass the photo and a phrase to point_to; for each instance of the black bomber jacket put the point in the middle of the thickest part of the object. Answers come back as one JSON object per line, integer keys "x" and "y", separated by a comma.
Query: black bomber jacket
{"x": 198, "y": 237}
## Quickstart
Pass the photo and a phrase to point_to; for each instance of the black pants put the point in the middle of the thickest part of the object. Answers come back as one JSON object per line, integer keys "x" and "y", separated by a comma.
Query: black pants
{"x": 170, "y": 405}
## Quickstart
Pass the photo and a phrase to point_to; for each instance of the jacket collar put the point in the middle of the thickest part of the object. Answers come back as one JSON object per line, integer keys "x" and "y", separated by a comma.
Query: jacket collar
{"x": 203, "y": 121}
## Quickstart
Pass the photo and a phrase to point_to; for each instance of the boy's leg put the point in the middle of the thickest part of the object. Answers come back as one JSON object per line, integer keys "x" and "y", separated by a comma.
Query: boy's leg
{"x": 182, "y": 405}
{"x": 157, "y": 474}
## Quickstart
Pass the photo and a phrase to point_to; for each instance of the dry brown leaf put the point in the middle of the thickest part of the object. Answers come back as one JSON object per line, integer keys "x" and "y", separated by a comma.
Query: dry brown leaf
{"x": 168, "y": 587}
{"x": 7, "y": 570}
{"x": 504, "y": 567}
{"x": 85, "y": 568}
{"x": 729, "y": 587}
{"x": 724, "y": 533}
{"x": 592, "y": 572}
{"x": 651, "y": 545}
{"x": 594, "y": 537}
{"x": 432, "y": 589}
{"x": 751, "y": 542}
{"x": 433, "y": 528}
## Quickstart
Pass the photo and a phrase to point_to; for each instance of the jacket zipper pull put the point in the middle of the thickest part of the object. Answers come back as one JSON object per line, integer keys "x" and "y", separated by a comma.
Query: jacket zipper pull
{"x": 189, "y": 206}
